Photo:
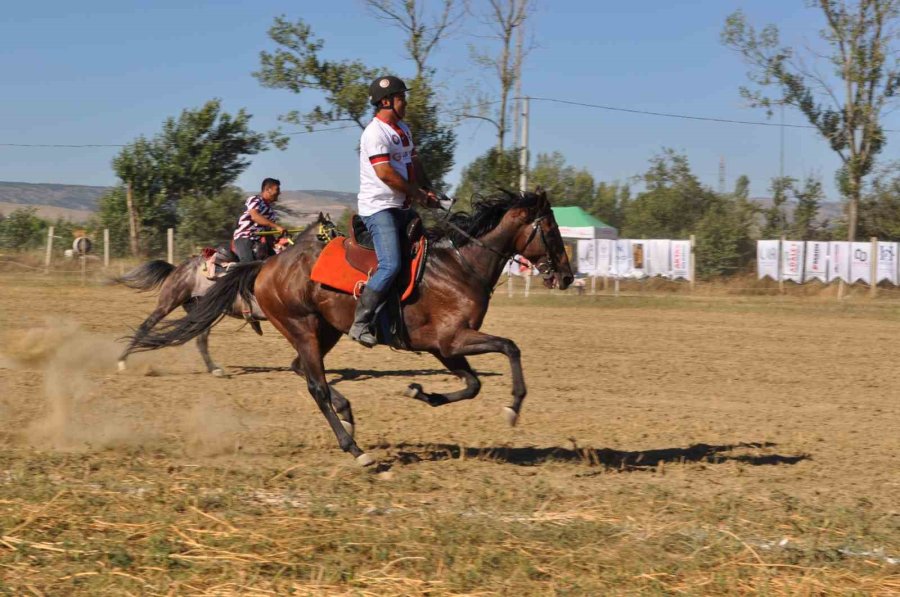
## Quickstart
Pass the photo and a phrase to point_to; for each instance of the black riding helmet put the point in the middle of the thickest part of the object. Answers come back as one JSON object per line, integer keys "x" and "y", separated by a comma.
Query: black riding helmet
{"x": 383, "y": 87}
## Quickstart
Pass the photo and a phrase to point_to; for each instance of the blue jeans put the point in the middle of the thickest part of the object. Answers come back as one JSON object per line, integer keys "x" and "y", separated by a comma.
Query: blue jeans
{"x": 387, "y": 228}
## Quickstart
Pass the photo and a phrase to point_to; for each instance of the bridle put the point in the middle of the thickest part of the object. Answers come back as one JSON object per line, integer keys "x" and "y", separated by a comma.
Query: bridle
{"x": 543, "y": 265}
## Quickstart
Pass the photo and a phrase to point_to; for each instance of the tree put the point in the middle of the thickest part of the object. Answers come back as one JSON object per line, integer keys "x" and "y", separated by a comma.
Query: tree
{"x": 504, "y": 19}
{"x": 611, "y": 202}
{"x": 845, "y": 107}
{"x": 809, "y": 199}
{"x": 879, "y": 213}
{"x": 487, "y": 174}
{"x": 565, "y": 184}
{"x": 776, "y": 219}
{"x": 422, "y": 34}
{"x": 724, "y": 243}
{"x": 192, "y": 160}
{"x": 672, "y": 204}
{"x": 22, "y": 230}
{"x": 296, "y": 65}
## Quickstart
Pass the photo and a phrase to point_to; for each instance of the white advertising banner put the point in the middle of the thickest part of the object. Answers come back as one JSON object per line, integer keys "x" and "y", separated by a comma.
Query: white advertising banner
{"x": 604, "y": 252}
{"x": 681, "y": 259}
{"x": 861, "y": 262}
{"x": 638, "y": 258}
{"x": 587, "y": 257}
{"x": 621, "y": 265}
{"x": 792, "y": 260}
{"x": 839, "y": 261}
{"x": 581, "y": 232}
{"x": 887, "y": 262}
{"x": 767, "y": 259}
{"x": 658, "y": 251}
{"x": 816, "y": 261}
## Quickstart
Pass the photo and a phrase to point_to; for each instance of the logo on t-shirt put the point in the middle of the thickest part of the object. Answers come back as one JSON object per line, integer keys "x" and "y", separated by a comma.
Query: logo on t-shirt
{"x": 395, "y": 139}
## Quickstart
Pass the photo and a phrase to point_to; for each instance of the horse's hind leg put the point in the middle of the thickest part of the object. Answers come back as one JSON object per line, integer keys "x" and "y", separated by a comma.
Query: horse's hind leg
{"x": 460, "y": 367}
{"x": 154, "y": 318}
{"x": 203, "y": 347}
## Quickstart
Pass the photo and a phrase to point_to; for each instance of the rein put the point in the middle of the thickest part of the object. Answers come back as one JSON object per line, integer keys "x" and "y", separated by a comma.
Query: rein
{"x": 535, "y": 227}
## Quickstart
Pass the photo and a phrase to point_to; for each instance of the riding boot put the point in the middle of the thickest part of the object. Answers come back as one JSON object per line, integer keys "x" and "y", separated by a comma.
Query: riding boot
{"x": 361, "y": 330}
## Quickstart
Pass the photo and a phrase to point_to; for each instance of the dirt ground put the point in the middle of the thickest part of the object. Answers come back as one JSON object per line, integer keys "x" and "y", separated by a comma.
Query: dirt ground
{"x": 762, "y": 433}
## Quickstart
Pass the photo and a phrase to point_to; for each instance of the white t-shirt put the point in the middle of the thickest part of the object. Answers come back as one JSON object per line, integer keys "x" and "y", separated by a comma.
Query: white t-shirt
{"x": 382, "y": 143}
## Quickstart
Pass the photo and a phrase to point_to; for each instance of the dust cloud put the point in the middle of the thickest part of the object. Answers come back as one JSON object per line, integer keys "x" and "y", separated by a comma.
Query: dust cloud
{"x": 81, "y": 412}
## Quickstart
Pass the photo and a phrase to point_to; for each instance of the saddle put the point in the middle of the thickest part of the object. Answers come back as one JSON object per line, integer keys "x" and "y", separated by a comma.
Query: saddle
{"x": 217, "y": 261}
{"x": 346, "y": 263}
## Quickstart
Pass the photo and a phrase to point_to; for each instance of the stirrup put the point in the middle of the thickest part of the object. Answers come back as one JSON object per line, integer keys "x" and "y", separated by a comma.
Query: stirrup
{"x": 365, "y": 337}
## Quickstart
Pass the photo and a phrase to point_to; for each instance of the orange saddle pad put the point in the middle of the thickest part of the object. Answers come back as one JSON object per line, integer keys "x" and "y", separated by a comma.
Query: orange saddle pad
{"x": 332, "y": 269}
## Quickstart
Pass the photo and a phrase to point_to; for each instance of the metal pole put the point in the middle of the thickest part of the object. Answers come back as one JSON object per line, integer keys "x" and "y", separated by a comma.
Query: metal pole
{"x": 873, "y": 288}
{"x": 49, "y": 250}
{"x": 523, "y": 152}
{"x": 781, "y": 265}
{"x": 170, "y": 241}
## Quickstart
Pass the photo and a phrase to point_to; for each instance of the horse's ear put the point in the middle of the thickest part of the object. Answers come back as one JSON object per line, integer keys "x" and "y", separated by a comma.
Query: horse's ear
{"x": 541, "y": 197}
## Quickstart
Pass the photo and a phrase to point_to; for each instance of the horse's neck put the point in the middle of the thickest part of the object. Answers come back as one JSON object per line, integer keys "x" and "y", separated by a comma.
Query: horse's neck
{"x": 489, "y": 260}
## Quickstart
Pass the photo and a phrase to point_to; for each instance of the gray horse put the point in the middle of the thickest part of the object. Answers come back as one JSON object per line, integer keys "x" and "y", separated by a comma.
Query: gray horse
{"x": 179, "y": 286}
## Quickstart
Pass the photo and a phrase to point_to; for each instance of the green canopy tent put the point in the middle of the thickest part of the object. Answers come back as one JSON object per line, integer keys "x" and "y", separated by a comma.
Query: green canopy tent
{"x": 577, "y": 224}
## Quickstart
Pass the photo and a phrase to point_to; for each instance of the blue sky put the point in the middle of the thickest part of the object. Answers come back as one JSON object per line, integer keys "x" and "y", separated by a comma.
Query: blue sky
{"x": 104, "y": 72}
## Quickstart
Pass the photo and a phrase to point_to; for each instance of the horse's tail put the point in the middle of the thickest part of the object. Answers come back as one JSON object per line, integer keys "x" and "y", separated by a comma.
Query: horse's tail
{"x": 147, "y": 276}
{"x": 208, "y": 311}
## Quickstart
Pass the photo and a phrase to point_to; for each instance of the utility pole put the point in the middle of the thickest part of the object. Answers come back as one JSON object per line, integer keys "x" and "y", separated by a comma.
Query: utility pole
{"x": 133, "y": 229}
{"x": 721, "y": 174}
{"x": 523, "y": 152}
{"x": 517, "y": 140}
{"x": 781, "y": 152}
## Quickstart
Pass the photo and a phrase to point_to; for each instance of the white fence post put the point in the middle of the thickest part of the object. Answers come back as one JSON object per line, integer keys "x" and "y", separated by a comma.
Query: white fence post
{"x": 170, "y": 241}
{"x": 49, "y": 250}
{"x": 509, "y": 284}
{"x": 106, "y": 247}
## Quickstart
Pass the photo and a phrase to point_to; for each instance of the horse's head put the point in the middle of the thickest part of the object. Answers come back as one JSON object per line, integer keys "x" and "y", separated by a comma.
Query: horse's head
{"x": 538, "y": 240}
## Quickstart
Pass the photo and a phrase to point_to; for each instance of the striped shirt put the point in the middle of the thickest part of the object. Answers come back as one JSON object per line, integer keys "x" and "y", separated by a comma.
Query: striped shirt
{"x": 246, "y": 227}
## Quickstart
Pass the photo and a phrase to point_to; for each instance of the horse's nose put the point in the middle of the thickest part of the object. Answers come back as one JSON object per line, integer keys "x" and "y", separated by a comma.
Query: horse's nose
{"x": 566, "y": 281}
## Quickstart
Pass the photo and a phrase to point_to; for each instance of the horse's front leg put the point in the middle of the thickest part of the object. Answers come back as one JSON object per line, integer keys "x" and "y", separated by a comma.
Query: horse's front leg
{"x": 468, "y": 342}
{"x": 458, "y": 366}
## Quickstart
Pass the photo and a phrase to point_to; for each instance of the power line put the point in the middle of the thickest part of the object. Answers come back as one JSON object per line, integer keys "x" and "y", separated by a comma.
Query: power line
{"x": 336, "y": 128}
{"x": 457, "y": 111}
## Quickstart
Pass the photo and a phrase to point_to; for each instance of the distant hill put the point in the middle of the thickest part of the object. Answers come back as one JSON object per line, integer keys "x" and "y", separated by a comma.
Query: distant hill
{"x": 828, "y": 210}
{"x": 78, "y": 202}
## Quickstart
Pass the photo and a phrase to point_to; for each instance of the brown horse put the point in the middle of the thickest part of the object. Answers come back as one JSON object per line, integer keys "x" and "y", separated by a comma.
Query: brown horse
{"x": 443, "y": 317}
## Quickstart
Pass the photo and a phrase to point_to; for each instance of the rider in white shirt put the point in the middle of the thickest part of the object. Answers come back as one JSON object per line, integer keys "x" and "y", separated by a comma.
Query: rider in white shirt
{"x": 391, "y": 179}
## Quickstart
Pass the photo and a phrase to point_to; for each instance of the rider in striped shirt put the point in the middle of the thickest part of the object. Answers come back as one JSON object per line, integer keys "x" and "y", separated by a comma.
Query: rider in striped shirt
{"x": 258, "y": 216}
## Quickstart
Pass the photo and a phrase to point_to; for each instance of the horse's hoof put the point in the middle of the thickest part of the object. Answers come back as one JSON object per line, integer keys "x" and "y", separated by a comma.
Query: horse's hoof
{"x": 365, "y": 460}
{"x": 218, "y": 372}
{"x": 121, "y": 365}
{"x": 348, "y": 427}
{"x": 413, "y": 390}
{"x": 512, "y": 417}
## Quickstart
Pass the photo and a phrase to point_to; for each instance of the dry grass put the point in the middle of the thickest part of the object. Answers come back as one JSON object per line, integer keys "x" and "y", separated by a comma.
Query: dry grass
{"x": 743, "y": 473}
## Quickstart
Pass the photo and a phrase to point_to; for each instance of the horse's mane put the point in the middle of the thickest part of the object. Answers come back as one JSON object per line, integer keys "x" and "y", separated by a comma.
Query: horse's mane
{"x": 486, "y": 214}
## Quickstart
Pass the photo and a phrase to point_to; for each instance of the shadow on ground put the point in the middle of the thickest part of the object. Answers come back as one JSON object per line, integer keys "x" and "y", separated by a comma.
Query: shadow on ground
{"x": 608, "y": 458}
{"x": 352, "y": 374}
